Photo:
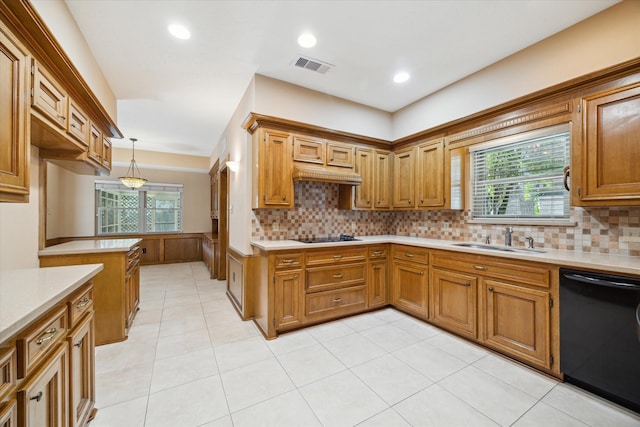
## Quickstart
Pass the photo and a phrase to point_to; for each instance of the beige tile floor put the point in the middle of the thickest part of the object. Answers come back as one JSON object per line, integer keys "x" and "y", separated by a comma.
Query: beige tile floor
{"x": 190, "y": 361}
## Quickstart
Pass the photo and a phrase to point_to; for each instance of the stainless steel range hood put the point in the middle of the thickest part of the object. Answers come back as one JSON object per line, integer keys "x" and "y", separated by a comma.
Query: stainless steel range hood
{"x": 323, "y": 174}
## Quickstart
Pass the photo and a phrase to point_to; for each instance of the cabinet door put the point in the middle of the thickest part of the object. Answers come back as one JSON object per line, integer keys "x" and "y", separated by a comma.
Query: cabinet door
{"x": 78, "y": 123}
{"x": 404, "y": 178}
{"x": 309, "y": 150}
{"x": 611, "y": 133}
{"x": 340, "y": 155}
{"x": 288, "y": 299}
{"x": 95, "y": 144}
{"x": 517, "y": 321}
{"x": 42, "y": 399}
{"x": 430, "y": 184}
{"x": 364, "y": 167}
{"x": 14, "y": 116}
{"x": 49, "y": 98}
{"x": 410, "y": 286}
{"x": 106, "y": 153}
{"x": 382, "y": 180}
{"x": 81, "y": 372}
{"x": 8, "y": 414}
{"x": 275, "y": 183}
{"x": 377, "y": 281}
{"x": 455, "y": 301}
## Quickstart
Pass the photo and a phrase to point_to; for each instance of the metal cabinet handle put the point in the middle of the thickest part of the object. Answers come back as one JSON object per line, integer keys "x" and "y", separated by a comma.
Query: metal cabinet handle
{"x": 73, "y": 125}
{"x": 84, "y": 301}
{"x": 295, "y": 277}
{"x": 47, "y": 336}
{"x": 377, "y": 267}
{"x": 62, "y": 118}
{"x": 377, "y": 253}
{"x": 408, "y": 255}
{"x": 467, "y": 284}
{"x": 481, "y": 267}
{"x": 337, "y": 276}
{"x": 78, "y": 344}
{"x": 337, "y": 256}
{"x": 337, "y": 300}
{"x": 409, "y": 201}
{"x": 287, "y": 261}
{"x": 284, "y": 197}
{"x": 421, "y": 200}
{"x": 422, "y": 273}
{"x": 37, "y": 397}
{"x": 491, "y": 289}
{"x": 567, "y": 173}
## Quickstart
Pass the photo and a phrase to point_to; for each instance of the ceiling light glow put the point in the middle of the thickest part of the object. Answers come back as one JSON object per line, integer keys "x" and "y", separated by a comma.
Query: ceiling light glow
{"x": 179, "y": 31}
{"x": 401, "y": 77}
{"x": 307, "y": 40}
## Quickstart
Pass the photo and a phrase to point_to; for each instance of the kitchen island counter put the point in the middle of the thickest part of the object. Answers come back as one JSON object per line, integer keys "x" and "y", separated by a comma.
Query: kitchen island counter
{"x": 90, "y": 246}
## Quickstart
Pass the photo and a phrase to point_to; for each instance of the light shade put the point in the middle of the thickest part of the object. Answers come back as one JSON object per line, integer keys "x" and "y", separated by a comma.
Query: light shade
{"x": 307, "y": 40}
{"x": 132, "y": 180}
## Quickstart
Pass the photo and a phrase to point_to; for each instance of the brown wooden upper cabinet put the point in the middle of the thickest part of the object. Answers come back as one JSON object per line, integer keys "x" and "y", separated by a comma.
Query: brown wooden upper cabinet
{"x": 14, "y": 116}
{"x": 273, "y": 184}
{"x": 404, "y": 178}
{"x": 606, "y": 146}
{"x": 322, "y": 152}
{"x": 374, "y": 167}
{"x": 431, "y": 167}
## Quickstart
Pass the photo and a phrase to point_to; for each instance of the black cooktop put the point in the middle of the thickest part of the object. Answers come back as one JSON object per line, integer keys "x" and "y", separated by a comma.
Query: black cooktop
{"x": 341, "y": 238}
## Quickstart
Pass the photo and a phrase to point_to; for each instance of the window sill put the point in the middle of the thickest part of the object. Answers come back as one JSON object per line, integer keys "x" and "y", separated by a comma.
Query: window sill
{"x": 524, "y": 221}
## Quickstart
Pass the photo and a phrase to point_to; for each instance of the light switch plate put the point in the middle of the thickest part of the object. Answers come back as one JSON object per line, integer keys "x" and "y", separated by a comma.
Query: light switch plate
{"x": 630, "y": 235}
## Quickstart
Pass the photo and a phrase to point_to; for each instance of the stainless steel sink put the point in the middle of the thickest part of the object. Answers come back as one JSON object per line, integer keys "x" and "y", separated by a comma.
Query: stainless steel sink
{"x": 499, "y": 248}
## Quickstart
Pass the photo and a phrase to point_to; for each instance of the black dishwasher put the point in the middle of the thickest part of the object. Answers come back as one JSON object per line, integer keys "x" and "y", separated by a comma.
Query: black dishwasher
{"x": 600, "y": 334}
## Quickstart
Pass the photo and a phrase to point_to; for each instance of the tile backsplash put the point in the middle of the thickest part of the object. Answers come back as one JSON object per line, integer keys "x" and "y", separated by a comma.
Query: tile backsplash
{"x": 316, "y": 214}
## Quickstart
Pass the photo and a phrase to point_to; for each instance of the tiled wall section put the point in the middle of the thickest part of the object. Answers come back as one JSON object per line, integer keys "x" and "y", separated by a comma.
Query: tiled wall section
{"x": 316, "y": 214}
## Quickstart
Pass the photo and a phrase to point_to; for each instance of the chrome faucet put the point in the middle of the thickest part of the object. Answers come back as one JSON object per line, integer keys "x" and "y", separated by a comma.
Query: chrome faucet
{"x": 507, "y": 236}
{"x": 529, "y": 240}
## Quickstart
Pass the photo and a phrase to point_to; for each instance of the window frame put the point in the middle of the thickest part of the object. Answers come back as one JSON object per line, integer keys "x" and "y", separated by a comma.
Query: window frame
{"x": 521, "y": 219}
{"x": 142, "y": 208}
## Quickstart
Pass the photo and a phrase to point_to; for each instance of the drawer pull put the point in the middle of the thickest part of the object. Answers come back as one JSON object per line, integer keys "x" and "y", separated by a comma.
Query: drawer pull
{"x": 78, "y": 344}
{"x": 37, "y": 397}
{"x": 337, "y": 276}
{"x": 47, "y": 336}
{"x": 337, "y": 256}
{"x": 481, "y": 267}
{"x": 84, "y": 301}
{"x": 337, "y": 300}
{"x": 377, "y": 267}
{"x": 377, "y": 253}
{"x": 288, "y": 261}
{"x": 408, "y": 255}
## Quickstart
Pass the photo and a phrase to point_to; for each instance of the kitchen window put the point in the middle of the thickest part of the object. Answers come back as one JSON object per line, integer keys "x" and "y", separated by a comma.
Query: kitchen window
{"x": 152, "y": 208}
{"x": 520, "y": 177}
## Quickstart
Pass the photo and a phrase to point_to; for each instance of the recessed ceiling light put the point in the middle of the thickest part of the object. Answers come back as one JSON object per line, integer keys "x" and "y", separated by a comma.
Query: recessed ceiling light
{"x": 401, "y": 77}
{"x": 307, "y": 40}
{"x": 179, "y": 31}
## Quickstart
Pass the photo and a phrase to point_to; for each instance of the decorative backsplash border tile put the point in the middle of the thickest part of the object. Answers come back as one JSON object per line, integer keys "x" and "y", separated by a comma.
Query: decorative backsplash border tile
{"x": 316, "y": 214}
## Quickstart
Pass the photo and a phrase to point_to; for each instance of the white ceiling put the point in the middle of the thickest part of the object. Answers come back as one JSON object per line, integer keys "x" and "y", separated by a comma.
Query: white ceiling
{"x": 177, "y": 96}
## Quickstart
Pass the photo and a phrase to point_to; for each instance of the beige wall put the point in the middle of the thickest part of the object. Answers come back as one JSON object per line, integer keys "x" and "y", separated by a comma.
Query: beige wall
{"x": 19, "y": 226}
{"x": 71, "y": 199}
{"x": 61, "y": 23}
{"x": 605, "y": 39}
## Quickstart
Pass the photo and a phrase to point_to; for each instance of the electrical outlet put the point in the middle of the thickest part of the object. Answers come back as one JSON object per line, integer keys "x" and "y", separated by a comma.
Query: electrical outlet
{"x": 354, "y": 226}
{"x": 445, "y": 225}
{"x": 630, "y": 235}
{"x": 276, "y": 226}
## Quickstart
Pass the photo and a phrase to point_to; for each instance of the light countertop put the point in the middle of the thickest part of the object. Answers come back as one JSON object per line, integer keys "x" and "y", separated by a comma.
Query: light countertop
{"x": 27, "y": 294}
{"x": 614, "y": 264}
{"x": 90, "y": 246}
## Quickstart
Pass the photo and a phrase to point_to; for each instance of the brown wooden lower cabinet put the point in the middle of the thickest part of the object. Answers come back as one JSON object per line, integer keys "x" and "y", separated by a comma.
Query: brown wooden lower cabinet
{"x": 47, "y": 370}
{"x": 288, "y": 298}
{"x": 410, "y": 287}
{"x": 455, "y": 301}
{"x": 517, "y": 321}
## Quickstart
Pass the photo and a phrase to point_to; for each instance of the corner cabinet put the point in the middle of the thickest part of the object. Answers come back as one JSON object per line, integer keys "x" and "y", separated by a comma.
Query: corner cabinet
{"x": 273, "y": 184}
{"x": 606, "y": 145}
{"x": 14, "y": 116}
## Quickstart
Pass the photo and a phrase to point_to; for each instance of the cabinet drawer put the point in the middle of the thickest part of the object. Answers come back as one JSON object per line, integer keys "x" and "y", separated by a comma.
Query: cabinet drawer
{"x": 34, "y": 344}
{"x": 80, "y": 303}
{"x": 132, "y": 256}
{"x": 378, "y": 252}
{"x": 330, "y": 277}
{"x": 7, "y": 370}
{"x": 308, "y": 150}
{"x": 49, "y": 98}
{"x": 411, "y": 254}
{"x": 288, "y": 260}
{"x": 336, "y": 255}
{"x": 78, "y": 123}
{"x": 485, "y": 266}
{"x": 329, "y": 304}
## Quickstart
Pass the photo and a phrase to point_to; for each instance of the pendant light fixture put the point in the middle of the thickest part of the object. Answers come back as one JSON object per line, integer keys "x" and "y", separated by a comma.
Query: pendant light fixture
{"x": 132, "y": 180}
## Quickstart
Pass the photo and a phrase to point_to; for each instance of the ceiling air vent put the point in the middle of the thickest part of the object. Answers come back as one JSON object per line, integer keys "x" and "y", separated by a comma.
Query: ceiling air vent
{"x": 312, "y": 64}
